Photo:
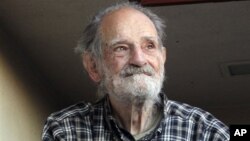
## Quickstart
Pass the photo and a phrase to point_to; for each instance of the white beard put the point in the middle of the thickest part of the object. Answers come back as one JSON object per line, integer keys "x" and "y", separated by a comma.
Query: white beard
{"x": 136, "y": 87}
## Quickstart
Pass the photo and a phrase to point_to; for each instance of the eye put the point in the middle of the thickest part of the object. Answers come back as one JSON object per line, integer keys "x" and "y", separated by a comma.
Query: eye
{"x": 150, "y": 46}
{"x": 120, "y": 48}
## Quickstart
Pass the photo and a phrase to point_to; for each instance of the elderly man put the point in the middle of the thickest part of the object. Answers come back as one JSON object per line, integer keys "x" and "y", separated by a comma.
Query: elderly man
{"x": 123, "y": 53}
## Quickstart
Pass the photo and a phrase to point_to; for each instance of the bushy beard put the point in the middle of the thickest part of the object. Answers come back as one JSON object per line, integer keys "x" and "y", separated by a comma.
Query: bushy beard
{"x": 133, "y": 83}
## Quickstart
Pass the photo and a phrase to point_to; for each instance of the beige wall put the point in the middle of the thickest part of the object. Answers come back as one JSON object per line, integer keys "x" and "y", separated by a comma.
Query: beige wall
{"x": 22, "y": 112}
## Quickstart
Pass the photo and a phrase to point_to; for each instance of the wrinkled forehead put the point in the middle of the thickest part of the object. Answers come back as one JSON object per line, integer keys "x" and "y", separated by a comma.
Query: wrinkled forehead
{"x": 126, "y": 23}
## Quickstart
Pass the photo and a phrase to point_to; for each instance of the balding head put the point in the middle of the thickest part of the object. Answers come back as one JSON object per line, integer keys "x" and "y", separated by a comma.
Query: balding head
{"x": 90, "y": 41}
{"x": 126, "y": 23}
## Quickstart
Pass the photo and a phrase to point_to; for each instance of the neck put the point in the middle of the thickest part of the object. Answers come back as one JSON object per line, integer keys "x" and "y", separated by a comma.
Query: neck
{"x": 136, "y": 116}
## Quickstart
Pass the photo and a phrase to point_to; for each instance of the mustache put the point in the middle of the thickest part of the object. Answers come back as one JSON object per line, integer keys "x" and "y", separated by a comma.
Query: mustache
{"x": 132, "y": 70}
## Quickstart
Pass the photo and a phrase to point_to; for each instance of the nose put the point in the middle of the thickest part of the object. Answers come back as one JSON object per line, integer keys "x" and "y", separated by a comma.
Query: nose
{"x": 138, "y": 57}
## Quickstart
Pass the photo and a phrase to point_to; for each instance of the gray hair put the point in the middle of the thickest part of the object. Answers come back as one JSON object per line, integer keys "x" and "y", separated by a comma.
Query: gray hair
{"x": 90, "y": 42}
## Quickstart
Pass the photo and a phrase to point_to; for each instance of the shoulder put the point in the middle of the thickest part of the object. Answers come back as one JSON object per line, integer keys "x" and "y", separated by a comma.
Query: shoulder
{"x": 75, "y": 117}
{"x": 76, "y": 110}
{"x": 58, "y": 122}
{"x": 187, "y": 111}
{"x": 198, "y": 118}
{"x": 81, "y": 109}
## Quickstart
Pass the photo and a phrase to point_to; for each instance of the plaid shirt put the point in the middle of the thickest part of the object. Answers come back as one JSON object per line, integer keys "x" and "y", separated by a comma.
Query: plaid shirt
{"x": 86, "y": 122}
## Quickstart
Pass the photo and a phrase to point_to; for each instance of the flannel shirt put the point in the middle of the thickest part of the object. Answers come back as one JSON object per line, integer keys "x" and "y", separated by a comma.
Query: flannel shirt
{"x": 87, "y": 122}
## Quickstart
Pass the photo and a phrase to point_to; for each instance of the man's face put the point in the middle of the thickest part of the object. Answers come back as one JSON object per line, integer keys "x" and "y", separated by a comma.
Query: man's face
{"x": 133, "y": 60}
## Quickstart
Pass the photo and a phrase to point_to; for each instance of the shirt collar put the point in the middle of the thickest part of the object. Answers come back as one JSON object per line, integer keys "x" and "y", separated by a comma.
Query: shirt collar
{"x": 113, "y": 124}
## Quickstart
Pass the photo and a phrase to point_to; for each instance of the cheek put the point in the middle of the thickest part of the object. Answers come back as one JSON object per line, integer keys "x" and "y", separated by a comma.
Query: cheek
{"x": 156, "y": 62}
{"x": 115, "y": 63}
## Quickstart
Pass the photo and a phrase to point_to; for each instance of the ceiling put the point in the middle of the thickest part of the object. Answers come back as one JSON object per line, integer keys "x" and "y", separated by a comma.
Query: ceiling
{"x": 201, "y": 40}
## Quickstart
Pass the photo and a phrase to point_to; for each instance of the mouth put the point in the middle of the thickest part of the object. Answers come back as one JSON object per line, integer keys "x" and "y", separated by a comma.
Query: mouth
{"x": 143, "y": 73}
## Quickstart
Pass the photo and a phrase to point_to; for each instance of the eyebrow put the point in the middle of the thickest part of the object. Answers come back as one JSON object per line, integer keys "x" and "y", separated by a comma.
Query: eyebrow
{"x": 150, "y": 38}
{"x": 118, "y": 41}
{"x": 125, "y": 41}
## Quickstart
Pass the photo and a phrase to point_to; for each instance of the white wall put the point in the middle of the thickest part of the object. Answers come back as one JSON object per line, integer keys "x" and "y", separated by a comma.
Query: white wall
{"x": 21, "y": 113}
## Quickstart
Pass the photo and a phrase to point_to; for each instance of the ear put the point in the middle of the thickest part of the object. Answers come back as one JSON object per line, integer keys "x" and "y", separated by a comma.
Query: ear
{"x": 90, "y": 65}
